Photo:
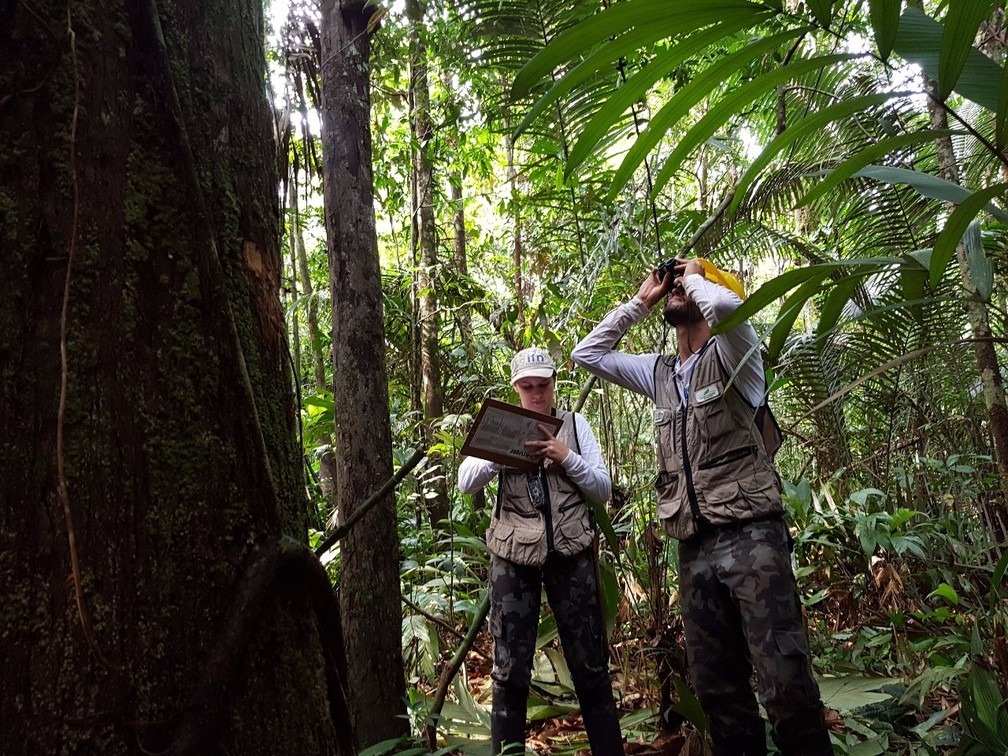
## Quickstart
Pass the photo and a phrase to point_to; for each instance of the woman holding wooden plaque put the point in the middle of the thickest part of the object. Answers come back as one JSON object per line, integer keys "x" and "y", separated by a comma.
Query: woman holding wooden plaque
{"x": 541, "y": 534}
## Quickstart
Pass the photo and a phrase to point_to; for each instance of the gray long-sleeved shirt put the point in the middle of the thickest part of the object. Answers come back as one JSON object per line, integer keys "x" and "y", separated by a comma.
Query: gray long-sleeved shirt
{"x": 636, "y": 371}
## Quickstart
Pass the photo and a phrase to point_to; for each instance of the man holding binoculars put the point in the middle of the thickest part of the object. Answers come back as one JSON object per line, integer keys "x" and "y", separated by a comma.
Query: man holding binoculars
{"x": 719, "y": 496}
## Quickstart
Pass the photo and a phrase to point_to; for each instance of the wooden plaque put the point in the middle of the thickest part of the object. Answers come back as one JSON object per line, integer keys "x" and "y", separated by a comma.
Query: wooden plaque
{"x": 500, "y": 431}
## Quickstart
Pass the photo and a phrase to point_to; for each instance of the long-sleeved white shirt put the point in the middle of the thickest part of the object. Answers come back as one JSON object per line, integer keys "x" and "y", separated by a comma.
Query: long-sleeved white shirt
{"x": 586, "y": 470}
{"x": 738, "y": 346}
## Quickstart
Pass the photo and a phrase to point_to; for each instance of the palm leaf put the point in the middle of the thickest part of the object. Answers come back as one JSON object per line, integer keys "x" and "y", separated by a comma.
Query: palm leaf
{"x": 955, "y": 227}
{"x": 919, "y": 41}
{"x": 961, "y": 22}
{"x": 634, "y": 17}
{"x": 731, "y": 104}
{"x": 807, "y": 126}
{"x": 867, "y": 156}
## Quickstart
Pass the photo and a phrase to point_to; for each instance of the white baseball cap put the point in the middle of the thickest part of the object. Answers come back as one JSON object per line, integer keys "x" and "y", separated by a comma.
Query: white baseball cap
{"x": 532, "y": 363}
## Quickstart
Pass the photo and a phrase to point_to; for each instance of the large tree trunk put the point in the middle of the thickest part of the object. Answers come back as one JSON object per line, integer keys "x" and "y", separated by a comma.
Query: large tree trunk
{"x": 427, "y": 273}
{"x": 146, "y": 418}
{"x": 369, "y": 587}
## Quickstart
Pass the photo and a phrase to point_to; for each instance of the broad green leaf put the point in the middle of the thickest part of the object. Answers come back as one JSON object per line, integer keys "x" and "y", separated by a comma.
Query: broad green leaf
{"x": 604, "y": 522}
{"x": 961, "y": 22}
{"x": 631, "y": 17}
{"x": 727, "y": 107}
{"x": 1001, "y": 117}
{"x": 806, "y": 126}
{"x": 778, "y": 287}
{"x": 927, "y": 185}
{"x": 610, "y": 592}
{"x": 770, "y": 291}
{"x": 584, "y": 70}
{"x": 885, "y": 23}
{"x": 789, "y": 313}
{"x": 689, "y": 706}
{"x": 986, "y": 700}
{"x": 845, "y": 694}
{"x": 919, "y": 41}
{"x": 947, "y": 592}
{"x": 999, "y": 575}
{"x": 606, "y": 54}
{"x": 822, "y": 10}
{"x": 956, "y": 225}
{"x": 639, "y": 84}
{"x": 980, "y": 268}
{"x": 679, "y": 106}
{"x": 835, "y": 303}
{"x": 867, "y": 156}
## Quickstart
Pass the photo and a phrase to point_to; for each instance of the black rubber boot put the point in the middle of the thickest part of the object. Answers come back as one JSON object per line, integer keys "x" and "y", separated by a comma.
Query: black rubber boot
{"x": 811, "y": 744}
{"x": 753, "y": 744}
{"x": 804, "y": 734}
{"x": 601, "y": 721}
{"x": 507, "y": 720}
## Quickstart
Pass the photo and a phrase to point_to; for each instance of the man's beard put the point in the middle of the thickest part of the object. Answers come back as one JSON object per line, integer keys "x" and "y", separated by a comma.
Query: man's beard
{"x": 682, "y": 314}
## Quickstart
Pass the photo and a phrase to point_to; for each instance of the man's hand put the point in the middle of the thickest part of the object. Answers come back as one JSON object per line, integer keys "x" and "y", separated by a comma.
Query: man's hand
{"x": 654, "y": 288}
{"x": 549, "y": 447}
{"x": 690, "y": 267}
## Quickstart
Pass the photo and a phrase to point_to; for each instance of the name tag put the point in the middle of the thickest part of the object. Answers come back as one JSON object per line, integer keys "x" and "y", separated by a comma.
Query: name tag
{"x": 707, "y": 393}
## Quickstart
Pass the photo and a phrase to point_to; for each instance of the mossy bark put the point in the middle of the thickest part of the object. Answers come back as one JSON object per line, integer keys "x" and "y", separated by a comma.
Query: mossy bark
{"x": 169, "y": 491}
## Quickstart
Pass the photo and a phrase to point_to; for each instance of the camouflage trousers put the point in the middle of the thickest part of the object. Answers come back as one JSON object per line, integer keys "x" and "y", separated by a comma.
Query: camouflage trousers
{"x": 741, "y": 610}
{"x": 573, "y": 593}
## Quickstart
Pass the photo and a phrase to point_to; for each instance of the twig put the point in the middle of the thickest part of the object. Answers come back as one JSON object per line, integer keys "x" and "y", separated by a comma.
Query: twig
{"x": 64, "y": 494}
{"x": 364, "y": 508}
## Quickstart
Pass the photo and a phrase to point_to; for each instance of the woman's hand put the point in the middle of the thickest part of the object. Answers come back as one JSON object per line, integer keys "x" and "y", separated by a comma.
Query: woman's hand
{"x": 547, "y": 448}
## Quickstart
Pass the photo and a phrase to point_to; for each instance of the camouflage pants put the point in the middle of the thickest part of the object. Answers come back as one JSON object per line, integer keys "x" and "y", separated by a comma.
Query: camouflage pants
{"x": 741, "y": 610}
{"x": 573, "y": 594}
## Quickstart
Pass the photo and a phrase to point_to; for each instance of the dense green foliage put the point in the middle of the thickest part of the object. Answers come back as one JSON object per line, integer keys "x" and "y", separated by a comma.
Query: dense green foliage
{"x": 793, "y": 144}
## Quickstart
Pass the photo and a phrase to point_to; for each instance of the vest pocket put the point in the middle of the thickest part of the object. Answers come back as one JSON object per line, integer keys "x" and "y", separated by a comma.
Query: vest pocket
{"x": 713, "y": 422}
{"x": 573, "y": 533}
{"x": 664, "y": 431}
{"x": 733, "y": 495}
{"x": 519, "y": 540}
{"x": 728, "y": 457}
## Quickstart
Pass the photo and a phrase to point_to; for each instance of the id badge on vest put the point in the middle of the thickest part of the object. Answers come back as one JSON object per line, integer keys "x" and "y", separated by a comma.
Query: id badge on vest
{"x": 707, "y": 394}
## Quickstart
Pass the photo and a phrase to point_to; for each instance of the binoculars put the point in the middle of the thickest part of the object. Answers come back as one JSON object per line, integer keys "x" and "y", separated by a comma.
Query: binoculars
{"x": 676, "y": 266}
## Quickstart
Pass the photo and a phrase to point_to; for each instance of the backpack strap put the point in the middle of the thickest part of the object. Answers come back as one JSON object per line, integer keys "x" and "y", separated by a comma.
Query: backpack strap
{"x": 500, "y": 495}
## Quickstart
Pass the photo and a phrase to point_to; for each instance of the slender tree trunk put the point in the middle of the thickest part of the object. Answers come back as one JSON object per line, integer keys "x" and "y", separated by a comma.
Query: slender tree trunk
{"x": 979, "y": 320}
{"x": 146, "y": 415}
{"x": 295, "y": 324}
{"x": 307, "y": 290}
{"x": 521, "y": 286}
{"x": 428, "y": 278}
{"x": 327, "y": 460}
{"x": 369, "y": 587}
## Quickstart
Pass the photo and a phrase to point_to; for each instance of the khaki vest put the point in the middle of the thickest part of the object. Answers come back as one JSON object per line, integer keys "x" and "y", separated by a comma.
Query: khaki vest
{"x": 519, "y": 532}
{"x": 713, "y": 467}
